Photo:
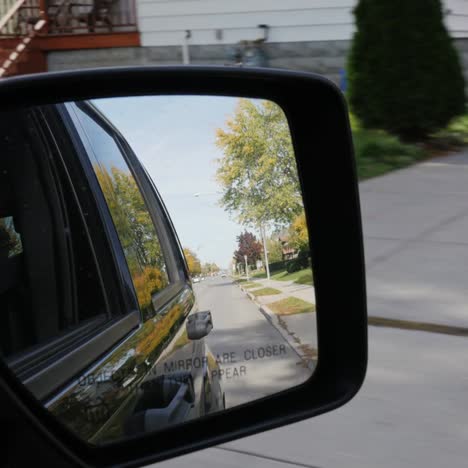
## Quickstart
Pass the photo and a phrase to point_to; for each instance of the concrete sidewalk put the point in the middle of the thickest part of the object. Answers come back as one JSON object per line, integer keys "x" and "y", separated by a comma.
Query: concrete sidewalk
{"x": 305, "y": 292}
{"x": 416, "y": 242}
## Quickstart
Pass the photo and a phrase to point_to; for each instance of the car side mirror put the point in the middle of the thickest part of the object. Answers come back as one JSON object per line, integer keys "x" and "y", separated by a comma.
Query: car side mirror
{"x": 108, "y": 361}
{"x": 199, "y": 325}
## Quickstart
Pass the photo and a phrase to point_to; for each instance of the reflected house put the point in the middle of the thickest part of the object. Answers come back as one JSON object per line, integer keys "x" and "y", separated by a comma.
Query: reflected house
{"x": 288, "y": 252}
{"x": 71, "y": 34}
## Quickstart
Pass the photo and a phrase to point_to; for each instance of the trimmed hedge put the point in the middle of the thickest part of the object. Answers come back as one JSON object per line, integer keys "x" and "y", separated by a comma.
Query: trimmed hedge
{"x": 277, "y": 266}
{"x": 298, "y": 263}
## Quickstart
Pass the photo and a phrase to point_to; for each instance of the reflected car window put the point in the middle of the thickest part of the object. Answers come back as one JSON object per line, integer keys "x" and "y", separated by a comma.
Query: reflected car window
{"x": 131, "y": 218}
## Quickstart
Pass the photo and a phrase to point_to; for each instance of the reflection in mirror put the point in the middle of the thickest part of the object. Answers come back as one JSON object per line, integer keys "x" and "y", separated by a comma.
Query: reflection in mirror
{"x": 130, "y": 302}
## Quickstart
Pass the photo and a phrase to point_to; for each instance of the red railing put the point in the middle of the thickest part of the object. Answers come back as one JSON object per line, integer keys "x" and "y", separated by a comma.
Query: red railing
{"x": 64, "y": 17}
{"x": 17, "y": 29}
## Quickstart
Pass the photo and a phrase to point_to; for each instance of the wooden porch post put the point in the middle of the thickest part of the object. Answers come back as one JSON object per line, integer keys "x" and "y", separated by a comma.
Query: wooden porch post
{"x": 43, "y": 15}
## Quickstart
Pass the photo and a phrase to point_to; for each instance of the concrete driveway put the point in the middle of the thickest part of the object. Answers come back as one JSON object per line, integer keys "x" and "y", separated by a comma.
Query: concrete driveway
{"x": 411, "y": 411}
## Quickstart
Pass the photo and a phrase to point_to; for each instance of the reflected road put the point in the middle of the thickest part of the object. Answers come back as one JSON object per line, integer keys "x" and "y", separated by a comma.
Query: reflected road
{"x": 255, "y": 359}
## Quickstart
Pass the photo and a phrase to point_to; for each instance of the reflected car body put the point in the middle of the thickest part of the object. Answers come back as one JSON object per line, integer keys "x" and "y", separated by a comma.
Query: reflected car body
{"x": 122, "y": 368}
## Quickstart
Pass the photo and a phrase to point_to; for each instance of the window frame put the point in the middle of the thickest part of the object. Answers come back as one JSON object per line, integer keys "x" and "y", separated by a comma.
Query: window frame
{"x": 65, "y": 357}
{"x": 62, "y": 358}
{"x": 153, "y": 203}
{"x": 175, "y": 245}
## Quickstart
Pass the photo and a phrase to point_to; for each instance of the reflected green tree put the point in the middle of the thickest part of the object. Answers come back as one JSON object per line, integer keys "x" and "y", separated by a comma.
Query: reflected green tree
{"x": 258, "y": 171}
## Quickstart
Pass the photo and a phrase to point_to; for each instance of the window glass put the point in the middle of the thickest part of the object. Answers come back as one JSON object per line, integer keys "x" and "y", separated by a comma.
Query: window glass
{"x": 131, "y": 217}
{"x": 10, "y": 240}
{"x": 49, "y": 281}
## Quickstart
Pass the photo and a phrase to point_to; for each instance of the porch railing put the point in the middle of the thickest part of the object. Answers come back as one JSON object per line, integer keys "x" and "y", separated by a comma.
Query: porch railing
{"x": 68, "y": 16}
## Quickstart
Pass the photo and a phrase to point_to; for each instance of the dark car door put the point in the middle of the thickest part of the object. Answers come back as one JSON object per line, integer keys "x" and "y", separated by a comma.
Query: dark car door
{"x": 133, "y": 367}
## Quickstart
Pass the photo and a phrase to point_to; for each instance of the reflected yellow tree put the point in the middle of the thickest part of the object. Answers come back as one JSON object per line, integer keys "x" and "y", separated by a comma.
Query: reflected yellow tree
{"x": 298, "y": 233}
{"x": 193, "y": 262}
{"x": 136, "y": 232}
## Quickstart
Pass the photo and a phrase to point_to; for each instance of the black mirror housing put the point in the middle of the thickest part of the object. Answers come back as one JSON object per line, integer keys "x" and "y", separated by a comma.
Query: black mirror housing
{"x": 329, "y": 184}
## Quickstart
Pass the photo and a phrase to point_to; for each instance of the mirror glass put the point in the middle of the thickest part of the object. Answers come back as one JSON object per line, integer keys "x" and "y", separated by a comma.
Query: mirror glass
{"x": 154, "y": 259}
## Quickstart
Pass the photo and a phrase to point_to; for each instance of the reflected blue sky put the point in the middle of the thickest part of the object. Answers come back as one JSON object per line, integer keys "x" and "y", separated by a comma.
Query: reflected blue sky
{"x": 174, "y": 136}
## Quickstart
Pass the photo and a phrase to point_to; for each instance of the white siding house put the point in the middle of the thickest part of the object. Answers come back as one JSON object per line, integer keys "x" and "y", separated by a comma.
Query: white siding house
{"x": 308, "y": 35}
{"x": 456, "y": 17}
{"x": 221, "y": 22}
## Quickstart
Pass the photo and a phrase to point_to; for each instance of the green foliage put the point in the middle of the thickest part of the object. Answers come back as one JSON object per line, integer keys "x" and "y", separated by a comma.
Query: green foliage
{"x": 293, "y": 265}
{"x": 277, "y": 266}
{"x": 377, "y": 152}
{"x": 138, "y": 220}
{"x": 303, "y": 258}
{"x": 275, "y": 250}
{"x": 456, "y": 132}
{"x": 258, "y": 171}
{"x": 404, "y": 74}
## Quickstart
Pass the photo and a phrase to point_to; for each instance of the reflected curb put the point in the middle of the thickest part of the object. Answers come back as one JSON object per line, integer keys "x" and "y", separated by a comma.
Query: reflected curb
{"x": 289, "y": 337}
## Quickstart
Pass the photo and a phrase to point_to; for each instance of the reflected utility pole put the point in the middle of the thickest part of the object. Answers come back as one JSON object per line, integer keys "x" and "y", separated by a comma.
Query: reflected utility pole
{"x": 265, "y": 250}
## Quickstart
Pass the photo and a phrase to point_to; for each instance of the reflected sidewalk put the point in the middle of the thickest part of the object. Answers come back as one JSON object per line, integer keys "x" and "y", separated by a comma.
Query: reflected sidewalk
{"x": 298, "y": 329}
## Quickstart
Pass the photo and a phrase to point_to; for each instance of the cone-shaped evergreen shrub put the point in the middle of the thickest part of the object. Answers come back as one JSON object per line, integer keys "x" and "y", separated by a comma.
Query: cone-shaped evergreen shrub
{"x": 404, "y": 72}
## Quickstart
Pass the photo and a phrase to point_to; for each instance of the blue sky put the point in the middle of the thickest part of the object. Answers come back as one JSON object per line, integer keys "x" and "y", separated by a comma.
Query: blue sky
{"x": 173, "y": 136}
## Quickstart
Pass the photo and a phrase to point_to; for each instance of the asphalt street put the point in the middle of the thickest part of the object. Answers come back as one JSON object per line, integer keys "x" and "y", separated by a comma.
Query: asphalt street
{"x": 411, "y": 411}
{"x": 256, "y": 360}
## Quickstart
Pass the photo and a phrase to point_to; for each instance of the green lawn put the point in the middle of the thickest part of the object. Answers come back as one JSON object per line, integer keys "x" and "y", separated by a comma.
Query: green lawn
{"x": 299, "y": 277}
{"x": 291, "y": 305}
{"x": 455, "y": 134}
{"x": 241, "y": 280}
{"x": 259, "y": 274}
{"x": 377, "y": 152}
{"x": 252, "y": 285}
{"x": 265, "y": 292}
